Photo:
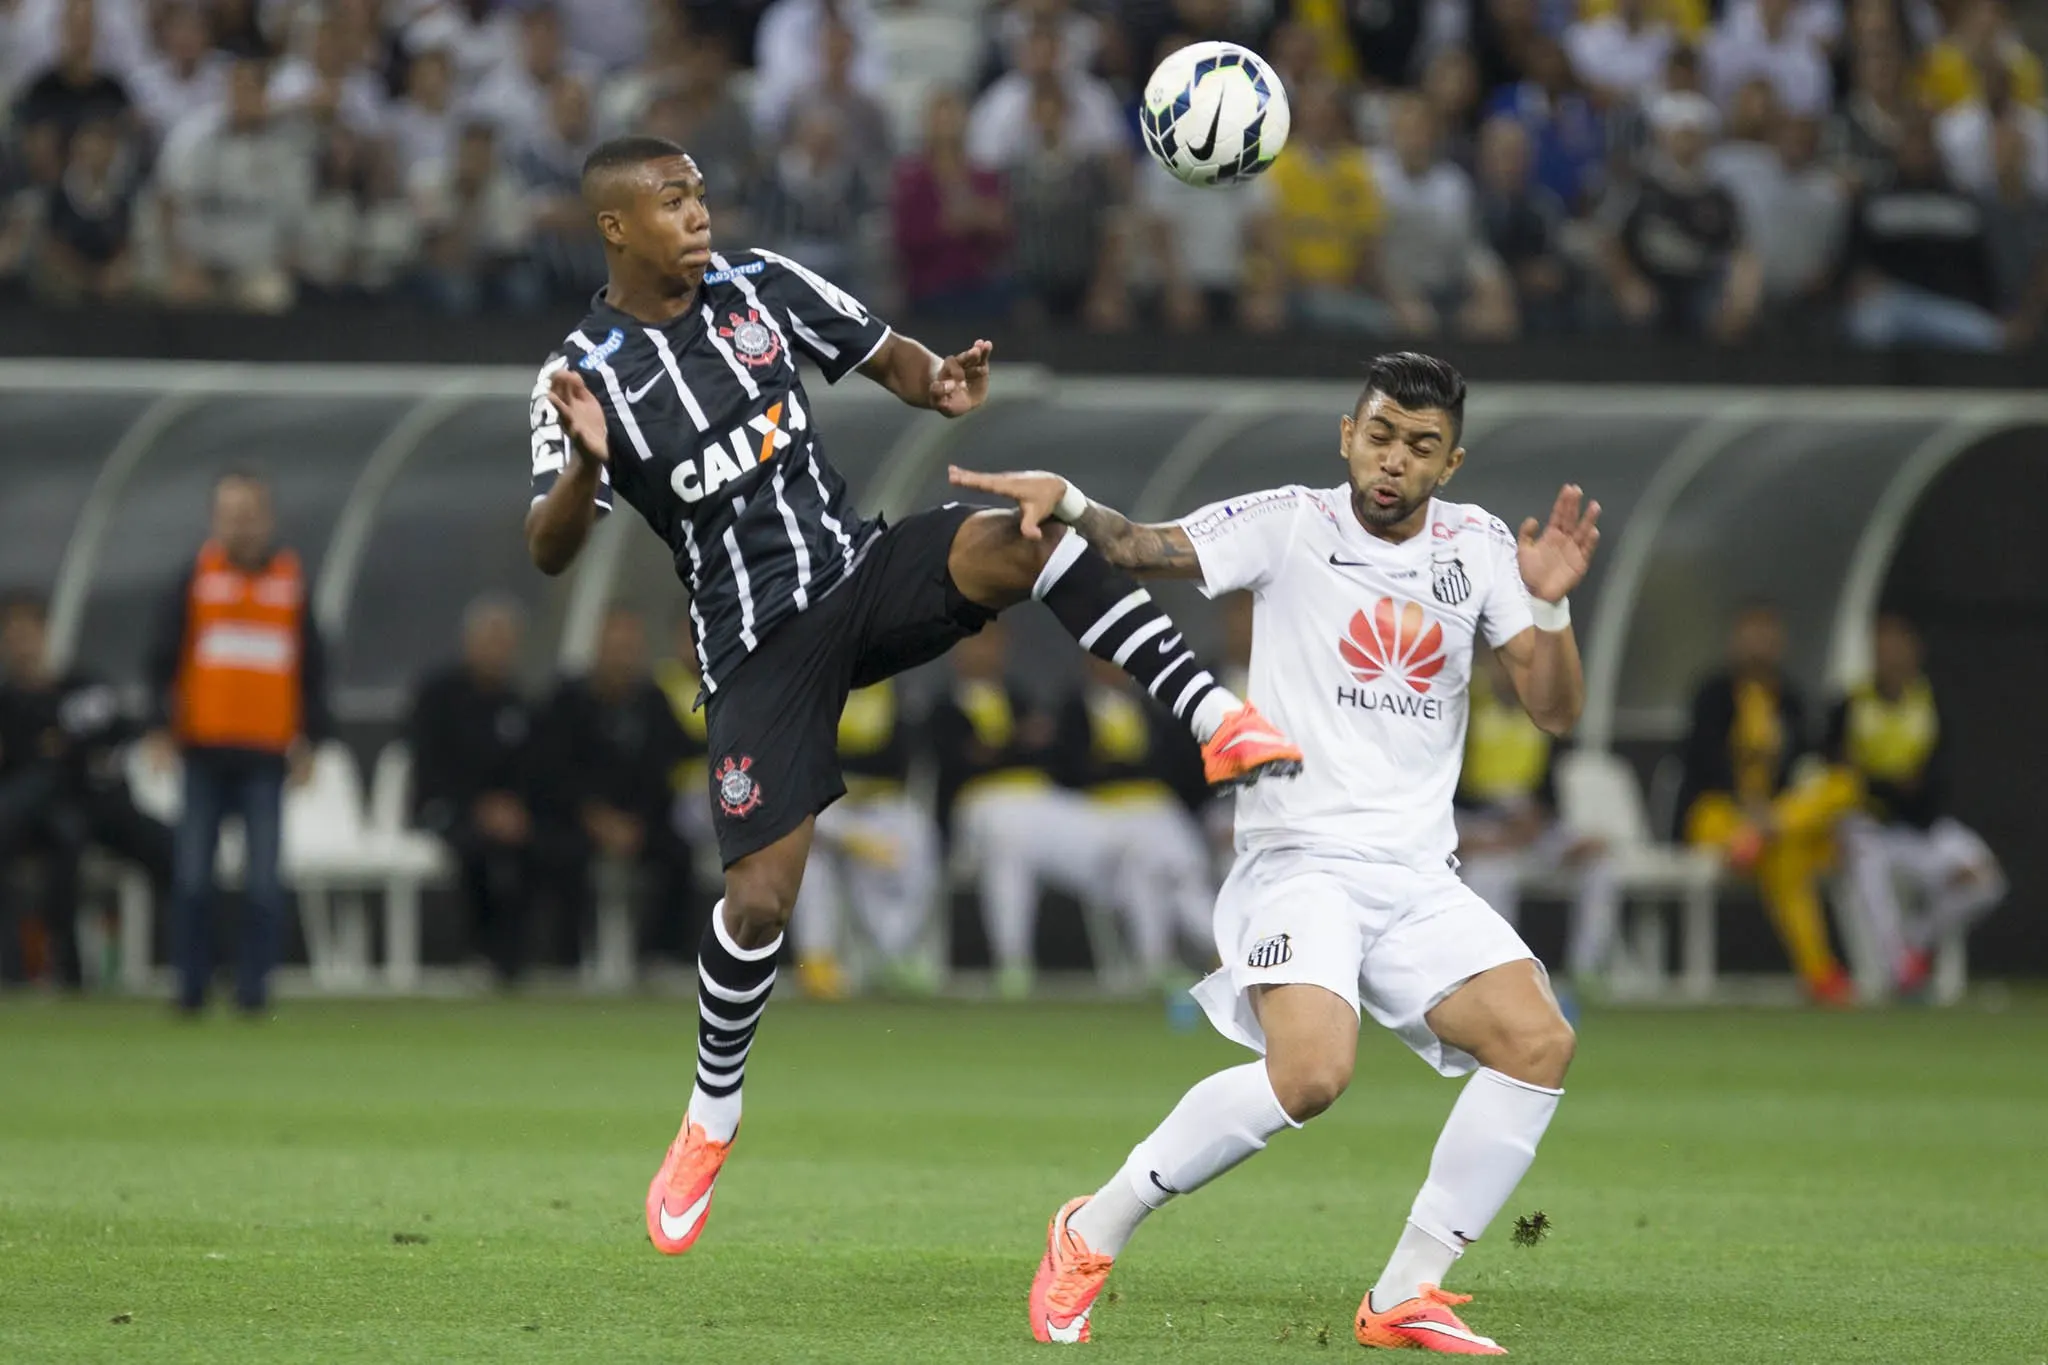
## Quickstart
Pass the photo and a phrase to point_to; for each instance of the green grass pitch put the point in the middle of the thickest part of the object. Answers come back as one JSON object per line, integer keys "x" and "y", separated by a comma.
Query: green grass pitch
{"x": 463, "y": 1182}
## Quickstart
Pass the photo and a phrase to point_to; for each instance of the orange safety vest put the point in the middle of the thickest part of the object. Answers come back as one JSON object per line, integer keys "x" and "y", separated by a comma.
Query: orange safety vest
{"x": 238, "y": 681}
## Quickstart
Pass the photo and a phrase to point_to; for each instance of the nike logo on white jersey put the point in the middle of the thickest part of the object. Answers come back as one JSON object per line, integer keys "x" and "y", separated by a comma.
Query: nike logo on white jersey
{"x": 1071, "y": 1333}
{"x": 674, "y": 1228}
{"x": 635, "y": 395}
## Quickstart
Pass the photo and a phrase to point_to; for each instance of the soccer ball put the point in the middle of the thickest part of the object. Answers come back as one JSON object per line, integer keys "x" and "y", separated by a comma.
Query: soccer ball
{"x": 1214, "y": 113}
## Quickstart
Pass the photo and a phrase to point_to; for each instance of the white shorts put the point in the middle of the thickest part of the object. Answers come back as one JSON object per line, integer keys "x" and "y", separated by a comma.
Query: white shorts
{"x": 1390, "y": 938}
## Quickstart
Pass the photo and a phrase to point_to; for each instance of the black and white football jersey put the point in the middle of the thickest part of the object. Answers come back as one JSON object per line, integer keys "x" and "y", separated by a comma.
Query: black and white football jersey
{"x": 711, "y": 440}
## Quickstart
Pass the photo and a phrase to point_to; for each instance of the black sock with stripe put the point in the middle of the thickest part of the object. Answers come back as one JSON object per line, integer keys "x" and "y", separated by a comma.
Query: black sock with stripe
{"x": 733, "y": 985}
{"x": 1114, "y": 618}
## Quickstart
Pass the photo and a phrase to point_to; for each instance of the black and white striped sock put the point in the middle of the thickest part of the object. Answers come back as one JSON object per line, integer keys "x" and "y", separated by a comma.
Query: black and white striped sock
{"x": 1116, "y": 619}
{"x": 732, "y": 991}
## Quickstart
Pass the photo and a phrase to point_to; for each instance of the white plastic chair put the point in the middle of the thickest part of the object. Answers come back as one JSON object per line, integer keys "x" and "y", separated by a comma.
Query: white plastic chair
{"x": 324, "y": 860}
{"x": 1597, "y": 796}
{"x": 406, "y": 859}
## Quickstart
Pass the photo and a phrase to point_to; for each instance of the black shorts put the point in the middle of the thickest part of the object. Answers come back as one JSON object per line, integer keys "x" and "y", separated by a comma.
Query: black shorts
{"x": 773, "y": 724}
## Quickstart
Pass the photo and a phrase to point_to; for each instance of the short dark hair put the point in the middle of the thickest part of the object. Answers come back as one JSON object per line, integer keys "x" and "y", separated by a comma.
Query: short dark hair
{"x": 623, "y": 153}
{"x": 1415, "y": 380}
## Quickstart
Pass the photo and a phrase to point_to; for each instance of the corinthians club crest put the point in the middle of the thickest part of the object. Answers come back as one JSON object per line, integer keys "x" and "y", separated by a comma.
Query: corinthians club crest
{"x": 752, "y": 340}
{"x": 738, "y": 792}
{"x": 1447, "y": 580}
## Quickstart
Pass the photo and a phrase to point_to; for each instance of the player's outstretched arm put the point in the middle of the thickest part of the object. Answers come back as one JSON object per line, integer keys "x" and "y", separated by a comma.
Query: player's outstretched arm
{"x": 1544, "y": 660}
{"x": 1161, "y": 551}
{"x": 952, "y": 387}
{"x": 559, "y": 523}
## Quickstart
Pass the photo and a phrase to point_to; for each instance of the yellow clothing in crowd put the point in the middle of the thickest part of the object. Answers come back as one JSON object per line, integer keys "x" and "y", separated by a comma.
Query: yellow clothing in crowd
{"x": 1328, "y": 211}
{"x": 1947, "y": 77}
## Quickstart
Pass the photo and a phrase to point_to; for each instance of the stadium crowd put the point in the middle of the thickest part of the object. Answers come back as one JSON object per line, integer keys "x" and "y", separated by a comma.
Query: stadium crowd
{"x": 1874, "y": 169}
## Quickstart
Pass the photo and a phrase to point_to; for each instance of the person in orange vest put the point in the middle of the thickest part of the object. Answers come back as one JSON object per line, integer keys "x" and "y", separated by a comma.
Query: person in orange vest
{"x": 237, "y": 676}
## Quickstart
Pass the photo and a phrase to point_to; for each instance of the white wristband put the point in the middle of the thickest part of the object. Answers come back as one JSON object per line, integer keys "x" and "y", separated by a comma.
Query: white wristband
{"x": 1551, "y": 616}
{"x": 1071, "y": 505}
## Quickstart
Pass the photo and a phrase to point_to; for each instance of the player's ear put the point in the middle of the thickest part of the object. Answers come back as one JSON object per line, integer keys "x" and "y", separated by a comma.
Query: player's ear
{"x": 1451, "y": 463}
{"x": 610, "y": 227}
{"x": 1345, "y": 426}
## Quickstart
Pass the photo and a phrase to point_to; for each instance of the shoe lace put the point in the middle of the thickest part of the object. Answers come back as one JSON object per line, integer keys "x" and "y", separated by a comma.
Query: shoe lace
{"x": 1080, "y": 1273}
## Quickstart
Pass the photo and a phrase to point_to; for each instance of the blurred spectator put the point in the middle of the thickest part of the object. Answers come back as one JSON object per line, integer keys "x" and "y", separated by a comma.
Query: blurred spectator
{"x": 1293, "y": 52}
{"x": 1505, "y": 34}
{"x": 479, "y": 36}
{"x": 1748, "y": 729}
{"x": 610, "y": 34}
{"x": 77, "y": 88}
{"x": 84, "y": 250}
{"x": 34, "y": 35}
{"x": 2016, "y": 226}
{"x": 517, "y": 95}
{"x": 238, "y": 29}
{"x": 1763, "y": 39}
{"x": 1566, "y": 131}
{"x": 1968, "y": 131}
{"x": 62, "y": 788}
{"x": 1981, "y": 38}
{"x": 1746, "y": 154}
{"x": 702, "y": 113}
{"x": 1619, "y": 57}
{"x": 238, "y": 685}
{"x": 604, "y": 745}
{"x": 470, "y": 736}
{"x": 1864, "y": 136}
{"x": 1436, "y": 266}
{"x": 330, "y": 85}
{"x": 1918, "y": 259}
{"x": 1794, "y": 211}
{"x": 1063, "y": 197}
{"x": 862, "y": 123}
{"x": 324, "y": 255}
{"x": 1676, "y": 257}
{"x": 952, "y": 222}
{"x": 185, "y": 76}
{"x": 1522, "y": 221}
{"x": 1197, "y": 238}
{"x": 814, "y": 197}
{"x": 1509, "y": 830}
{"x": 1082, "y": 35}
{"x": 1450, "y": 84}
{"x": 1001, "y": 128}
{"x": 1888, "y": 733}
{"x": 549, "y": 163}
{"x": 421, "y": 124}
{"x": 789, "y": 54}
{"x": 477, "y": 226}
{"x": 235, "y": 183}
{"x": 1319, "y": 232}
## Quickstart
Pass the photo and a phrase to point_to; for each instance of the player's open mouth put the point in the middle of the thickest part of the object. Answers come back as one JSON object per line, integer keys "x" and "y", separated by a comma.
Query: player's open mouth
{"x": 1384, "y": 497}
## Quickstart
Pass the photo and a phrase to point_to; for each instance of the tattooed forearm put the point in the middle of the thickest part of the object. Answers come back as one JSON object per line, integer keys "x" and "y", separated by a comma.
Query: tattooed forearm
{"x": 1164, "y": 551}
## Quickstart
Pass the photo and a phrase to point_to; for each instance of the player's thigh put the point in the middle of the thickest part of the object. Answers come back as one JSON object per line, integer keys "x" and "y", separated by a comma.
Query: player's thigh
{"x": 1283, "y": 918}
{"x": 1507, "y": 1019}
{"x": 1439, "y": 938}
{"x": 906, "y": 607}
{"x": 1311, "y": 1045}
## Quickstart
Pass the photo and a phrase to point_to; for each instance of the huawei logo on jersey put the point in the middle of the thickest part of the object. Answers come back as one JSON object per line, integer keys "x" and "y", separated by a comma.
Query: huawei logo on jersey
{"x": 1397, "y": 641}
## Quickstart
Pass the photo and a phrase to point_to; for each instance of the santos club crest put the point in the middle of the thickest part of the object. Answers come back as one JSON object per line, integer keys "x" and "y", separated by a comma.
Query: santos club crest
{"x": 738, "y": 792}
{"x": 752, "y": 340}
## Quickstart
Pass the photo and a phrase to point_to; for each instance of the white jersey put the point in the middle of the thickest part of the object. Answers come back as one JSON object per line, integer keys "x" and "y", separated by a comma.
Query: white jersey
{"x": 1361, "y": 654}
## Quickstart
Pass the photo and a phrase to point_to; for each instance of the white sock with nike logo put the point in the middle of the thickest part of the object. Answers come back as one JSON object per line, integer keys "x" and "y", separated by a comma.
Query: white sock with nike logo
{"x": 1484, "y": 1151}
{"x": 1222, "y": 1120}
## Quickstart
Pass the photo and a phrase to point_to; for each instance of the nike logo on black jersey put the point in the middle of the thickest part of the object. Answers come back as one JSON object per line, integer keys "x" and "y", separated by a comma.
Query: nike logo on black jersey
{"x": 1201, "y": 152}
{"x": 635, "y": 395}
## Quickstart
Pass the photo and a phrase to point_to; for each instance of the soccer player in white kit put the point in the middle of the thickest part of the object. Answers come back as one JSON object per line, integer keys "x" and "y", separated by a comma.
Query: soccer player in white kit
{"x": 1368, "y": 597}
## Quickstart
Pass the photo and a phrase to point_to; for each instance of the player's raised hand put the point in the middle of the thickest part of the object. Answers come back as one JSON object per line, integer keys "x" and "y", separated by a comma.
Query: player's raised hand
{"x": 1554, "y": 557}
{"x": 1034, "y": 491}
{"x": 582, "y": 417}
{"x": 961, "y": 384}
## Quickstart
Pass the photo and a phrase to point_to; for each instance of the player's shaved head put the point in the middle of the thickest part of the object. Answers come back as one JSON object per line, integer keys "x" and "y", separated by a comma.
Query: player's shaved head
{"x": 1416, "y": 381}
{"x": 613, "y": 169}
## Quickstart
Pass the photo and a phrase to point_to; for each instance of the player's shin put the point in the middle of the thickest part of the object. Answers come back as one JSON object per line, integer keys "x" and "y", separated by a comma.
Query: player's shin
{"x": 1484, "y": 1151}
{"x": 1116, "y": 619}
{"x": 1222, "y": 1120}
{"x": 733, "y": 984}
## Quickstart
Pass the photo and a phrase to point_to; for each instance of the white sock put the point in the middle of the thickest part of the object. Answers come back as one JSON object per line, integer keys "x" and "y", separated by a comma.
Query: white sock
{"x": 1222, "y": 1120}
{"x": 1482, "y": 1154}
{"x": 1210, "y": 713}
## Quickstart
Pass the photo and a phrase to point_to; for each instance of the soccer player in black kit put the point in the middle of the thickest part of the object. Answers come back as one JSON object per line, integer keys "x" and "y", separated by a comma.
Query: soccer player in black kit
{"x": 679, "y": 392}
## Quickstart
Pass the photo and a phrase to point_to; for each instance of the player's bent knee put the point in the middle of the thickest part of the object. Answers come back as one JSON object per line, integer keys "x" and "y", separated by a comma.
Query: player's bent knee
{"x": 1537, "y": 1051}
{"x": 1306, "y": 1087}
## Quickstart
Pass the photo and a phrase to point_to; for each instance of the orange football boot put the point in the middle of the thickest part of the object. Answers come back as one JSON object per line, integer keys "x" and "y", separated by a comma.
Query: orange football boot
{"x": 1246, "y": 748}
{"x": 1068, "y": 1280}
{"x": 679, "y": 1199}
{"x": 1424, "y": 1323}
